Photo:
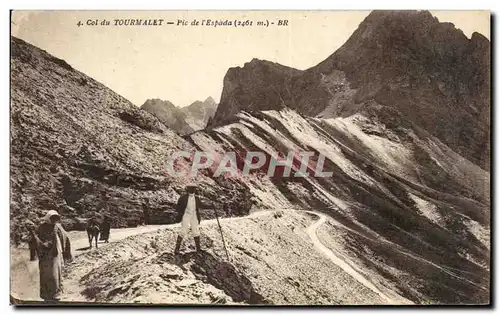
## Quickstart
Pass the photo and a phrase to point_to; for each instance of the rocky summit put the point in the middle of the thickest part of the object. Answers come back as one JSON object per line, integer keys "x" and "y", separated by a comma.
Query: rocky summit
{"x": 407, "y": 60}
{"x": 400, "y": 112}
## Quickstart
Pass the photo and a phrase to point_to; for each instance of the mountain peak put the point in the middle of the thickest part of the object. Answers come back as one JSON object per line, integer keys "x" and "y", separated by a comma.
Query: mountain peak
{"x": 244, "y": 88}
{"x": 170, "y": 115}
{"x": 209, "y": 100}
{"x": 158, "y": 102}
{"x": 183, "y": 120}
{"x": 407, "y": 60}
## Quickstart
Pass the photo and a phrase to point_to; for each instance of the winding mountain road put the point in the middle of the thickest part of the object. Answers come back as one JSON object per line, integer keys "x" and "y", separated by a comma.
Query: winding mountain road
{"x": 348, "y": 267}
{"x": 25, "y": 279}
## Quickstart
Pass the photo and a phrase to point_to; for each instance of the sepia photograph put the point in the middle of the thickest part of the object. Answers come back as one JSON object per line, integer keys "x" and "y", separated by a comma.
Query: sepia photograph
{"x": 237, "y": 158}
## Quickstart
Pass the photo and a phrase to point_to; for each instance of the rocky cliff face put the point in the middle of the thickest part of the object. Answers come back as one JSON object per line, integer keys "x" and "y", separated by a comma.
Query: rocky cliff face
{"x": 429, "y": 71}
{"x": 259, "y": 85}
{"x": 78, "y": 147}
{"x": 426, "y": 70}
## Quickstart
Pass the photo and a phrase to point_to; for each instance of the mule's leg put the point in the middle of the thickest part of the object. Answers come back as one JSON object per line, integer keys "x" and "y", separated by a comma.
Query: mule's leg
{"x": 96, "y": 239}
{"x": 89, "y": 235}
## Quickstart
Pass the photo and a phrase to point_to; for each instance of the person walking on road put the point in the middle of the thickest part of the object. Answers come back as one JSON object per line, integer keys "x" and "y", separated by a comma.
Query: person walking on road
{"x": 105, "y": 228}
{"x": 53, "y": 248}
{"x": 188, "y": 214}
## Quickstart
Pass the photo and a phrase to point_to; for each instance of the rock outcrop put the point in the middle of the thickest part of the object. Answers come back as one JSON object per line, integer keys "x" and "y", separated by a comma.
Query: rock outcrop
{"x": 258, "y": 85}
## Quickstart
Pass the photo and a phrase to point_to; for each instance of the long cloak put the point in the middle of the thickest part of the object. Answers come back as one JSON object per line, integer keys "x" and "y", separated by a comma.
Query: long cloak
{"x": 53, "y": 248}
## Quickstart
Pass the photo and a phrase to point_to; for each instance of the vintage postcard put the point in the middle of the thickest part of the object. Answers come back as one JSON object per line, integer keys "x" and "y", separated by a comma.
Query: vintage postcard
{"x": 250, "y": 157}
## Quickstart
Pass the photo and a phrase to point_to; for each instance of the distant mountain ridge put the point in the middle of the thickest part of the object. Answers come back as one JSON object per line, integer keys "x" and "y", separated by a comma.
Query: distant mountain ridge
{"x": 198, "y": 113}
{"x": 168, "y": 114}
{"x": 183, "y": 120}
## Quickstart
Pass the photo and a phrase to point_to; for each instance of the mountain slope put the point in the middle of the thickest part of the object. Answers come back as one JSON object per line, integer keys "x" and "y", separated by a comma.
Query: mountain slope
{"x": 400, "y": 200}
{"x": 78, "y": 147}
{"x": 429, "y": 71}
{"x": 402, "y": 220}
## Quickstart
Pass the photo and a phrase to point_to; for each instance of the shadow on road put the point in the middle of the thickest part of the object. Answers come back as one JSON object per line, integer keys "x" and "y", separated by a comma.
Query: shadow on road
{"x": 83, "y": 248}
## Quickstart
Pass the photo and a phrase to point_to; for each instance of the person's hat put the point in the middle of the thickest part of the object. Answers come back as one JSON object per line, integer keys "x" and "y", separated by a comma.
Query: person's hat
{"x": 50, "y": 214}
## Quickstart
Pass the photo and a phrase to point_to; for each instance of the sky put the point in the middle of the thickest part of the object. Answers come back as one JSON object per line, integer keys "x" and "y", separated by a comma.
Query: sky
{"x": 183, "y": 64}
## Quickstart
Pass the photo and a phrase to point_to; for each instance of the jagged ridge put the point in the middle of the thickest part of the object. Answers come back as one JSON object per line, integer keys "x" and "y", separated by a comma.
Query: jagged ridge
{"x": 429, "y": 71}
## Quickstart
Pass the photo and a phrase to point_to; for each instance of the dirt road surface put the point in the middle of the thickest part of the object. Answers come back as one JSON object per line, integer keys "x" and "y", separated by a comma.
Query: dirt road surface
{"x": 25, "y": 278}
